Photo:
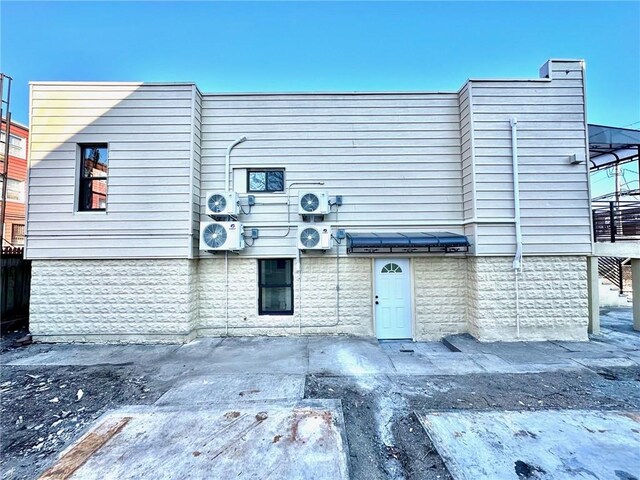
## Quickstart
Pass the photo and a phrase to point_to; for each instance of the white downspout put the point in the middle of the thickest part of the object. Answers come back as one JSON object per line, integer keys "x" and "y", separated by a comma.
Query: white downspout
{"x": 227, "y": 162}
{"x": 517, "y": 259}
{"x": 226, "y": 293}
{"x": 227, "y": 174}
{"x": 299, "y": 271}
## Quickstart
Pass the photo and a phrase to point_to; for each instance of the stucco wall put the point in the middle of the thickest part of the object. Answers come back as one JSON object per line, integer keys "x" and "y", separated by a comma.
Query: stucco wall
{"x": 113, "y": 300}
{"x": 440, "y": 296}
{"x": 552, "y": 297}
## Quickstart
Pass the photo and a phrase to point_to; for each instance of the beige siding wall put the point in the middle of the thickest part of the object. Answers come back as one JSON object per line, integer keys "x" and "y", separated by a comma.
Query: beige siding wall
{"x": 149, "y": 132}
{"x": 395, "y": 158}
{"x": 402, "y": 162}
{"x": 554, "y": 195}
{"x": 468, "y": 165}
{"x": 466, "y": 139}
{"x": 196, "y": 169}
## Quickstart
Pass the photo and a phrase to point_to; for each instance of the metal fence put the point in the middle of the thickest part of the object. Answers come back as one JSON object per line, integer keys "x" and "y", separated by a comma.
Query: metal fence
{"x": 15, "y": 288}
{"x": 616, "y": 221}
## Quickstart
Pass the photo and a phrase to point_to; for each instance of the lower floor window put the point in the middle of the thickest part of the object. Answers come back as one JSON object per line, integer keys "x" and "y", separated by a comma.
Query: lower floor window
{"x": 17, "y": 234}
{"x": 275, "y": 278}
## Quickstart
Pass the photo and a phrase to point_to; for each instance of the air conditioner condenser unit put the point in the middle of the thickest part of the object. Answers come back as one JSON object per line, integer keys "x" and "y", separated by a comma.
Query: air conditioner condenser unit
{"x": 315, "y": 237}
{"x": 313, "y": 203}
{"x": 221, "y": 236}
{"x": 222, "y": 204}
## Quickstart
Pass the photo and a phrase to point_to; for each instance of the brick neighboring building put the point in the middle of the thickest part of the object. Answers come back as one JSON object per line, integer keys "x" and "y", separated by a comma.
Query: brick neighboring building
{"x": 14, "y": 222}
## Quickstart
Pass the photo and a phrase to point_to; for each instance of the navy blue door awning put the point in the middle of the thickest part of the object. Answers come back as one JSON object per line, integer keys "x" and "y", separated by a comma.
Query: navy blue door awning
{"x": 435, "y": 242}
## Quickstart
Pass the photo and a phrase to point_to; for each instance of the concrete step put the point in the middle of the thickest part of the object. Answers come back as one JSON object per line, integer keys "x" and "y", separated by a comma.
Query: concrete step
{"x": 458, "y": 342}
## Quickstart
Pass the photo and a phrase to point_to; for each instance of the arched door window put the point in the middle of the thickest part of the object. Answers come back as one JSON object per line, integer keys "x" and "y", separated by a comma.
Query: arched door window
{"x": 391, "y": 268}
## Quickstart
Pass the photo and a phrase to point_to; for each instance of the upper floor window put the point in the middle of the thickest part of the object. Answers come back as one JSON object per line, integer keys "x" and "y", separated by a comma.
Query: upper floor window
{"x": 16, "y": 145}
{"x": 265, "y": 180}
{"x": 94, "y": 170}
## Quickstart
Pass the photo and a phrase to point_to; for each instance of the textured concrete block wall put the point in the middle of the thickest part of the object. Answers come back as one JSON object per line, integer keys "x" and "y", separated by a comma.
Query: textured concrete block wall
{"x": 320, "y": 301}
{"x": 440, "y": 296}
{"x": 242, "y": 298}
{"x": 315, "y": 300}
{"x": 552, "y": 292}
{"x": 113, "y": 300}
{"x": 174, "y": 300}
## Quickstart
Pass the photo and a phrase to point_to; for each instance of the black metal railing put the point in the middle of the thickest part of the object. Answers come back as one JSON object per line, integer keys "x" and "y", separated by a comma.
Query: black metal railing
{"x": 616, "y": 221}
{"x": 612, "y": 269}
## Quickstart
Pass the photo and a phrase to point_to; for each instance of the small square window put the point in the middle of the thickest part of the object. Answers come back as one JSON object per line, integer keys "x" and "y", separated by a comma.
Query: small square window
{"x": 94, "y": 170}
{"x": 275, "y": 282}
{"x": 267, "y": 180}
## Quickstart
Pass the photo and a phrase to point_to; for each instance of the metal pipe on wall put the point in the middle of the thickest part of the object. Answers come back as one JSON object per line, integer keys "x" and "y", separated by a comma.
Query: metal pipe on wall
{"x": 227, "y": 163}
{"x": 517, "y": 260}
{"x": 337, "y": 278}
{"x": 226, "y": 292}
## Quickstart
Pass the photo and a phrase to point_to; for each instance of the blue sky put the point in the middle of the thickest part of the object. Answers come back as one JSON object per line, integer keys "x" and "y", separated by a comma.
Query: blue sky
{"x": 290, "y": 46}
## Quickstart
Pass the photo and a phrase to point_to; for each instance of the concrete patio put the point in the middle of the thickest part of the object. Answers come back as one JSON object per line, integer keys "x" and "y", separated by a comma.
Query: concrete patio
{"x": 374, "y": 392}
{"x": 617, "y": 346}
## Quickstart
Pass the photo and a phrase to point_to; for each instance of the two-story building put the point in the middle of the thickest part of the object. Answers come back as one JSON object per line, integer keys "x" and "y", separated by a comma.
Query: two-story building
{"x": 157, "y": 212}
{"x": 14, "y": 216}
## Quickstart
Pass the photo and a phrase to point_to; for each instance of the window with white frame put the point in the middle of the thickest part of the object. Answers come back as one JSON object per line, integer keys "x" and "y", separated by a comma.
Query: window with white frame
{"x": 15, "y": 190}
{"x": 16, "y": 145}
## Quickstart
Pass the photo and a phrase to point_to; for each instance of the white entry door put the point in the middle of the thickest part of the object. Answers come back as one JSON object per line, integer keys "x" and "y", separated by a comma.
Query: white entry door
{"x": 393, "y": 298}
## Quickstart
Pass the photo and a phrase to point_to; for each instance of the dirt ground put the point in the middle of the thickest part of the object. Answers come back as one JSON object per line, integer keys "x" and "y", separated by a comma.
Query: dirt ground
{"x": 43, "y": 409}
{"x": 408, "y": 452}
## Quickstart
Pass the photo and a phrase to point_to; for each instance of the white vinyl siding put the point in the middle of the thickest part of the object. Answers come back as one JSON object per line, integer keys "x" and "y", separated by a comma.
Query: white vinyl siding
{"x": 554, "y": 195}
{"x": 395, "y": 159}
{"x": 401, "y": 161}
{"x": 196, "y": 168}
{"x": 148, "y": 131}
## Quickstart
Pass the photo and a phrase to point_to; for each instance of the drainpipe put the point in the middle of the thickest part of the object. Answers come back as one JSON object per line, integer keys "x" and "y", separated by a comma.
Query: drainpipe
{"x": 226, "y": 293}
{"x": 227, "y": 162}
{"x": 337, "y": 277}
{"x": 517, "y": 260}
{"x": 227, "y": 174}
{"x": 299, "y": 271}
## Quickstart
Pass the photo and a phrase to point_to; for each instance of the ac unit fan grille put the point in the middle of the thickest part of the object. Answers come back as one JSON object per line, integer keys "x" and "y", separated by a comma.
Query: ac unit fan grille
{"x": 214, "y": 235}
{"x": 217, "y": 203}
{"x": 310, "y": 202}
{"x": 309, "y": 237}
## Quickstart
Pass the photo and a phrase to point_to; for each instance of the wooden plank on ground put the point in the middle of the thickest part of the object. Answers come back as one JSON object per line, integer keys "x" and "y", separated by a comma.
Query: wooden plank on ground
{"x": 87, "y": 446}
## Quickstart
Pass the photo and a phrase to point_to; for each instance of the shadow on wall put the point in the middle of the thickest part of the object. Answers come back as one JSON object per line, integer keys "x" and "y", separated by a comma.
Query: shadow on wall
{"x": 140, "y": 137}
{"x": 143, "y": 135}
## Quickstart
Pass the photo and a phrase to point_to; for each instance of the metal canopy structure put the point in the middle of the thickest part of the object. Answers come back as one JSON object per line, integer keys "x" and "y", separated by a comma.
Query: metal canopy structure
{"x": 413, "y": 242}
{"x": 611, "y": 146}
